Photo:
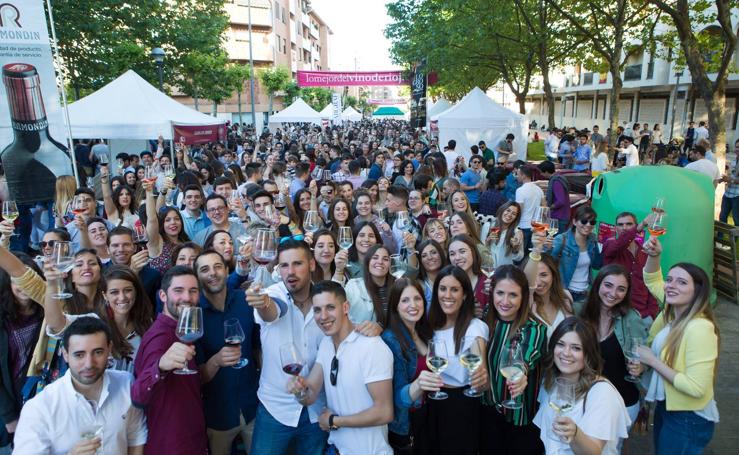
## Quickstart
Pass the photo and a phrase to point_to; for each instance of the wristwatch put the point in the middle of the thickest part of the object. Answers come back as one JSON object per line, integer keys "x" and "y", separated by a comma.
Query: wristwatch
{"x": 331, "y": 425}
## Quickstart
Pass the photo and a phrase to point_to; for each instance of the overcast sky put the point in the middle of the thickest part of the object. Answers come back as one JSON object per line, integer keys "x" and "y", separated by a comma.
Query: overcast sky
{"x": 358, "y": 33}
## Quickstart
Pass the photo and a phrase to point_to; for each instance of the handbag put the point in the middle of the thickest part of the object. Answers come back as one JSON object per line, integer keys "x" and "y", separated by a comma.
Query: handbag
{"x": 35, "y": 384}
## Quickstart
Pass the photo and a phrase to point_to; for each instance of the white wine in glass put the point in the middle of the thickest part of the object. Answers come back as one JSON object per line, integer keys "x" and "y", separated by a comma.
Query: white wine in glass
{"x": 437, "y": 361}
{"x": 471, "y": 359}
{"x": 553, "y": 228}
{"x": 632, "y": 356}
{"x": 397, "y": 266}
{"x": 10, "y": 211}
{"x": 487, "y": 263}
{"x": 561, "y": 400}
{"x": 512, "y": 368}
{"x": 345, "y": 237}
{"x": 311, "y": 221}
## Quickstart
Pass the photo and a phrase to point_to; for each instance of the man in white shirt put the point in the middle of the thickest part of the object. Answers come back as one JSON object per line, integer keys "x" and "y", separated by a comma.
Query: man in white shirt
{"x": 700, "y": 163}
{"x": 451, "y": 155}
{"x": 356, "y": 372}
{"x": 88, "y": 408}
{"x": 529, "y": 196}
{"x": 551, "y": 145}
{"x": 700, "y": 133}
{"x": 629, "y": 151}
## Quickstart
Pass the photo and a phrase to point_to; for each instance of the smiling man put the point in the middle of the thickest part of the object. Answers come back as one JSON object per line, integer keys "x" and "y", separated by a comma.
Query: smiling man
{"x": 89, "y": 408}
{"x": 173, "y": 403}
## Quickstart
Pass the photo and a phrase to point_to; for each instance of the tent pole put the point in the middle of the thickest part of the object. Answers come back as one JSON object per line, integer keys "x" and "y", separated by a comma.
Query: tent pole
{"x": 60, "y": 65}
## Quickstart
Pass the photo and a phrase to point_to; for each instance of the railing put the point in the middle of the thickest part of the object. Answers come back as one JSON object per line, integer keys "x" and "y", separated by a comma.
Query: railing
{"x": 725, "y": 270}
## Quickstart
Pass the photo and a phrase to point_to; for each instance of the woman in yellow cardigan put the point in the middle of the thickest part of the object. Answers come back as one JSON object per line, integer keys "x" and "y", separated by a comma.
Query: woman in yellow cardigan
{"x": 683, "y": 356}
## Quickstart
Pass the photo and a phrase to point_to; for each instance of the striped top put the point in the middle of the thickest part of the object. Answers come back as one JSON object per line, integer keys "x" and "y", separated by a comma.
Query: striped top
{"x": 533, "y": 336}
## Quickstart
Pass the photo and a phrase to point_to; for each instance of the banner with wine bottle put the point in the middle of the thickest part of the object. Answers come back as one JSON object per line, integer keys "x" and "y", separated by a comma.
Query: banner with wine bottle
{"x": 32, "y": 129}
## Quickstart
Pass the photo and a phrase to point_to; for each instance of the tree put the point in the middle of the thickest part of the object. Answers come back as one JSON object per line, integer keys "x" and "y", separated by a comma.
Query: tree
{"x": 240, "y": 74}
{"x": 316, "y": 97}
{"x": 274, "y": 80}
{"x": 350, "y": 101}
{"x": 705, "y": 51}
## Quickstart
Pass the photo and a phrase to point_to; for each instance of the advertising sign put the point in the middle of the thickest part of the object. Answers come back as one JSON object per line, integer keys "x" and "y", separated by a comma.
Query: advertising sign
{"x": 344, "y": 79}
{"x": 193, "y": 135}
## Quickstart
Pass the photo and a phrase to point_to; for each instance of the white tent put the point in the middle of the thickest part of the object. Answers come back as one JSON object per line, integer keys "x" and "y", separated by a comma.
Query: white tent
{"x": 478, "y": 118}
{"x": 327, "y": 111}
{"x": 131, "y": 108}
{"x": 437, "y": 108}
{"x": 299, "y": 111}
{"x": 351, "y": 114}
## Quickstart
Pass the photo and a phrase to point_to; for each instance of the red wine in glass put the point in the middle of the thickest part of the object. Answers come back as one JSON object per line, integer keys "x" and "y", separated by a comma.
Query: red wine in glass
{"x": 292, "y": 369}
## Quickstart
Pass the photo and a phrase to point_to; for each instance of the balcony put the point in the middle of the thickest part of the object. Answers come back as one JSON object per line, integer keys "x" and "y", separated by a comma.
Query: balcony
{"x": 314, "y": 31}
{"x": 633, "y": 73}
{"x": 261, "y": 13}
{"x": 306, "y": 44}
{"x": 237, "y": 46}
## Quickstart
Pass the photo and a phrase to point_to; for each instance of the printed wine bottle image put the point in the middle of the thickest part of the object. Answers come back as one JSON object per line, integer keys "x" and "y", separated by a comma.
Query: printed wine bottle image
{"x": 34, "y": 160}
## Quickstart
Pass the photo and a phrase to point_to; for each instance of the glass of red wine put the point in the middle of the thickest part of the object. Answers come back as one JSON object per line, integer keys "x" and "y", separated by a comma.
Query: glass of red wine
{"x": 234, "y": 336}
{"x": 292, "y": 363}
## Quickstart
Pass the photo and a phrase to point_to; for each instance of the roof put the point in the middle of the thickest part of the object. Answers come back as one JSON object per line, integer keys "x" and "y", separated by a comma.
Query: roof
{"x": 388, "y": 110}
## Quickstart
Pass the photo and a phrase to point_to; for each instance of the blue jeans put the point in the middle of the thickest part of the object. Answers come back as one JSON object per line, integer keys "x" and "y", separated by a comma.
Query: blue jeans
{"x": 680, "y": 432}
{"x": 729, "y": 204}
{"x": 273, "y": 438}
{"x": 526, "y": 240}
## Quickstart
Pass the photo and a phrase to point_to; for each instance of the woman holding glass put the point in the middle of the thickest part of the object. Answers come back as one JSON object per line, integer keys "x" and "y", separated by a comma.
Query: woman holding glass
{"x": 303, "y": 202}
{"x": 464, "y": 254}
{"x": 620, "y": 330}
{"x": 368, "y": 294}
{"x": 165, "y": 229}
{"x": 580, "y": 412}
{"x": 435, "y": 229}
{"x": 432, "y": 259}
{"x": 330, "y": 259}
{"x": 407, "y": 335}
{"x": 452, "y": 317}
{"x": 578, "y": 253}
{"x": 551, "y": 303}
{"x": 504, "y": 238}
{"x": 683, "y": 356}
{"x": 517, "y": 343}
{"x": 339, "y": 214}
{"x": 363, "y": 209}
{"x": 121, "y": 206}
{"x": 365, "y": 236}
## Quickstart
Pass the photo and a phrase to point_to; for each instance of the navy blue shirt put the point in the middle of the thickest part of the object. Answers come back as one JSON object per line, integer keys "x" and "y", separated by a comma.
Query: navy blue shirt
{"x": 231, "y": 391}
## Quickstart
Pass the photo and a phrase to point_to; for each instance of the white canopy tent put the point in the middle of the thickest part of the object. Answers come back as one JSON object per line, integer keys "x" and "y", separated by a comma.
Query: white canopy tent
{"x": 131, "y": 108}
{"x": 438, "y": 107}
{"x": 478, "y": 118}
{"x": 350, "y": 114}
{"x": 299, "y": 111}
{"x": 327, "y": 111}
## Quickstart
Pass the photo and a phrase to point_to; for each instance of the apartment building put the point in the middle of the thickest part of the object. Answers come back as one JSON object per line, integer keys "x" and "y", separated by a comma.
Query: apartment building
{"x": 287, "y": 33}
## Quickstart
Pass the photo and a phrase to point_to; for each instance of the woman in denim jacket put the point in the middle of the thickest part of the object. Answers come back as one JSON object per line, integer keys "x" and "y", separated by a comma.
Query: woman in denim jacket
{"x": 407, "y": 335}
{"x": 577, "y": 252}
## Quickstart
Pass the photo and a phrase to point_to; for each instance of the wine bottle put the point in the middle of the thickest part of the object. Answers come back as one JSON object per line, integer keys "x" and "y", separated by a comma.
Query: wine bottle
{"x": 34, "y": 160}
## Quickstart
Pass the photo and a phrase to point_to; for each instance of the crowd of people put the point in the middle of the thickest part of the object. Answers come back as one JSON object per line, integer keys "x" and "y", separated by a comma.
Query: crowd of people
{"x": 350, "y": 289}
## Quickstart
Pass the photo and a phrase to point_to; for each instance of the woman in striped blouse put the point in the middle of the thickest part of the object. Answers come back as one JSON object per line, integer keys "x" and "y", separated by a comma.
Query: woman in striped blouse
{"x": 511, "y": 431}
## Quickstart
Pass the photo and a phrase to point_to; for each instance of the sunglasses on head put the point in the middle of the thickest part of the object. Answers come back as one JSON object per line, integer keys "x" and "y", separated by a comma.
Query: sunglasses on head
{"x": 586, "y": 221}
{"x": 44, "y": 244}
{"x": 334, "y": 376}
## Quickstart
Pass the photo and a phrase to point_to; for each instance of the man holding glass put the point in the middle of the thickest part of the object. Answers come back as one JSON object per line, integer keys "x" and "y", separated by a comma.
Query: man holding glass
{"x": 172, "y": 402}
{"x": 284, "y": 315}
{"x": 89, "y": 409}
{"x": 357, "y": 373}
{"x": 227, "y": 370}
{"x": 216, "y": 208}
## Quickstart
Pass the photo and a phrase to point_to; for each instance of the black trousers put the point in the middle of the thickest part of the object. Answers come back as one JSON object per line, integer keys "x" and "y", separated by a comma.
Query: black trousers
{"x": 452, "y": 425}
{"x": 498, "y": 437}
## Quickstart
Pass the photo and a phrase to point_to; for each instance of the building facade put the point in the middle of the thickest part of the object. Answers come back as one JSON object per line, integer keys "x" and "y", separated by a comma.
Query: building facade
{"x": 287, "y": 33}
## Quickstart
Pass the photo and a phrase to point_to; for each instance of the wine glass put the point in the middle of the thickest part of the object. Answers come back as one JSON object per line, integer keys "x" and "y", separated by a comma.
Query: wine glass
{"x": 561, "y": 400}
{"x": 437, "y": 361}
{"x": 139, "y": 236}
{"x": 64, "y": 263}
{"x": 632, "y": 356}
{"x": 403, "y": 221}
{"x": 658, "y": 225}
{"x": 234, "y": 336}
{"x": 311, "y": 221}
{"x": 397, "y": 266}
{"x": 151, "y": 173}
{"x": 242, "y": 240}
{"x": 512, "y": 368}
{"x": 271, "y": 215}
{"x": 292, "y": 363}
{"x": 103, "y": 159}
{"x": 553, "y": 228}
{"x": 659, "y": 205}
{"x": 345, "y": 237}
{"x": 442, "y": 209}
{"x": 540, "y": 220}
{"x": 189, "y": 329}
{"x": 78, "y": 206}
{"x": 326, "y": 175}
{"x": 10, "y": 212}
{"x": 487, "y": 263}
{"x": 471, "y": 359}
{"x": 265, "y": 251}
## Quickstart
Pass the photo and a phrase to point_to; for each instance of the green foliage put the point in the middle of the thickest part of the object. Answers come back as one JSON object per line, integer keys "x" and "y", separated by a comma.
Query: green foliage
{"x": 101, "y": 39}
{"x": 274, "y": 79}
{"x": 350, "y": 101}
{"x": 292, "y": 91}
{"x": 316, "y": 97}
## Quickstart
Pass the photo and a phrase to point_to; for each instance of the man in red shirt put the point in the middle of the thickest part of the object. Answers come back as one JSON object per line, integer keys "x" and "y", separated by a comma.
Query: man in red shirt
{"x": 624, "y": 250}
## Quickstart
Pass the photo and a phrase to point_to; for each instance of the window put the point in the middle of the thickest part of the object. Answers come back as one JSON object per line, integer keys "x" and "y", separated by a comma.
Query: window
{"x": 284, "y": 46}
{"x": 279, "y": 42}
{"x": 277, "y": 11}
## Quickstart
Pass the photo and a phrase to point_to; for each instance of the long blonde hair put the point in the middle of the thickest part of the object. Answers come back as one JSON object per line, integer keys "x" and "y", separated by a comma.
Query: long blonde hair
{"x": 699, "y": 307}
{"x": 66, "y": 185}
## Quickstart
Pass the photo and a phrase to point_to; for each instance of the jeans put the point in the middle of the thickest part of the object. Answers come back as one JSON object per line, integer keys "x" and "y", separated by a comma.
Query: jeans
{"x": 680, "y": 432}
{"x": 729, "y": 204}
{"x": 526, "y": 239}
{"x": 273, "y": 438}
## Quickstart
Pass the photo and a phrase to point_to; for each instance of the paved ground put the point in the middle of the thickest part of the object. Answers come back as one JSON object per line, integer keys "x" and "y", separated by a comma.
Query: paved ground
{"x": 726, "y": 438}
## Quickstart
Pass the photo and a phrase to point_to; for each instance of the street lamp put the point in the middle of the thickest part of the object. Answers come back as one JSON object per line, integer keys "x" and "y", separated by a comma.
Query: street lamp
{"x": 678, "y": 75}
{"x": 158, "y": 55}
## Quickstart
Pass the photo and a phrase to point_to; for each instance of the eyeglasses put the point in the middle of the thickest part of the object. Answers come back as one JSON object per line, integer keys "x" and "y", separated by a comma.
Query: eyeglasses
{"x": 334, "y": 371}
{"x": 44, "y": 244}
{"x": 217, "y": 209}
{"x": 586, "y": 221}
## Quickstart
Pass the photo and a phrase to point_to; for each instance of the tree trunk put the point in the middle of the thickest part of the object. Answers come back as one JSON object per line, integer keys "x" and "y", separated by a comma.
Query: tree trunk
{"x": 549, "y": 95}
{"x": 521, "y": 105}
{"x": 195, "y": 98}
{"x": 616, "y": 87}
{"x": 215, "y": 109}
{"x": 271, "y": 99}
{"x": 238, "y": 100}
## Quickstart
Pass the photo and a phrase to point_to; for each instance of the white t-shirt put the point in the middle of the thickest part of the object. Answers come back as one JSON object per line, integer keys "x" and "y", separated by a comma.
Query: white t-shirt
{"x": 530, "y": 197}
{"x": 362, "y": 360}
{"x": 605, "y": 418}
{"x": 456, "y": 375}
{"x": 705, "y": 166}
{"x": 632, "y": 155}
{"x": 599, "y": 163}
{"x": 451, "y": 157}
{"x": 579, "y": 281}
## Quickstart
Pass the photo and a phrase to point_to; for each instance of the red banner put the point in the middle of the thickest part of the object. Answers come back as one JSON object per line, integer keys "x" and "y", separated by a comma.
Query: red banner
{"x": 341, "y": 79}
{"x": 387, "y": 102}
{"x": 192, "y": 135}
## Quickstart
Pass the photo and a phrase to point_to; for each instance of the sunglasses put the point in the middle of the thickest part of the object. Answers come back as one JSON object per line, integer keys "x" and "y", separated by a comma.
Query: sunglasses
{"x": 44, "y": 244}
{"x": 334, "y": 371}
{"x": 586, "y": 221}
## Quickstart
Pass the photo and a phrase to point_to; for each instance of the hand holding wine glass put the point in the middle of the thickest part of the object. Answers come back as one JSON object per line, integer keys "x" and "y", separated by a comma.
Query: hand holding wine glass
{"x": 513, "y": 368}
{"x": 311, "y": 221}
{"x": 345, "y": 237}
{"x": 397, "y": 266}
{"x": 437, "y": 360}
{"x": 633, "y": 359}
{"x": 63, "y": 260}
{"x": 292, "y": 364}
{"x": 10, "y": 212}
{"x": 234, "y": 337}
{"x": 471, "y": 359}
{"x": 658, "y": 225}
{"x": 562, "y": 401}
{"x": 189, "y": 329}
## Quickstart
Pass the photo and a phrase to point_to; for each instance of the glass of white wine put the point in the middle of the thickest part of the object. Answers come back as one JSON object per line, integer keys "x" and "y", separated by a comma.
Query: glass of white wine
{"x": 397, "y": 266}
{"x": 345, "y": 237}
{"x": 64, "y": 262}
{"x": 561, "y": 400}
{"x": 10, "y": 212}
{"x": 437, "y": 361}
{"x": 512, "y": 368}
{"x": 487, "y": 263}
{"x": 553, "y": 228}
{"x": 311, "y": 221}
{"x": 471, "y": 359}
{"x": 632, "y": 356}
